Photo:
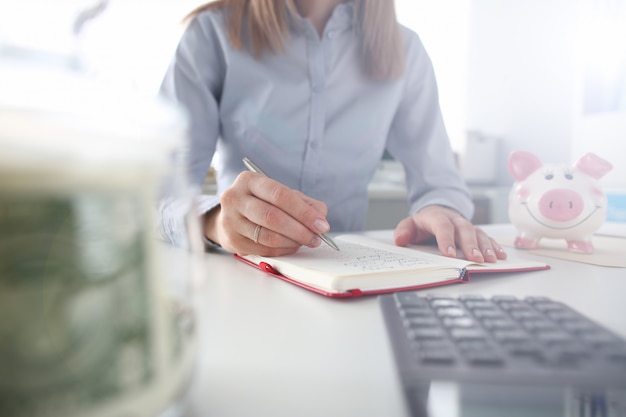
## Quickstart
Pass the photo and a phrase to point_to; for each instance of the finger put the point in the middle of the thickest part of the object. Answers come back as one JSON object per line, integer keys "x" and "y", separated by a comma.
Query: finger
{"x": 284, "y": 210}
{"x": 257, "y": 243}
{"x": 489, "y": 248}
{"x": 236, "y": 226}
{"x": 280, "y": 227}
{"x": 405, "y": 232}
{"x": 318, "y": 205}
{"x": 444, "y": 231}
{"x": 408, "y": 231}
{"x": 269, "y": 238}
{"x": 243, "y": 209}
{"x": 468, "y": 241}
{"x": 437, "y": 222}
{"x": 255, "y": 234}
{"x": 486, "y": 246}
{"x": 240, "y": 235}
{"x": 500, "y": 252}
{"x": 248, "y": 247}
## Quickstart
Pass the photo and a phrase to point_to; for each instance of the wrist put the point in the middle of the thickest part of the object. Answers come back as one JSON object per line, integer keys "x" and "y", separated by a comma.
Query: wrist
{"x": 209, "y": 235}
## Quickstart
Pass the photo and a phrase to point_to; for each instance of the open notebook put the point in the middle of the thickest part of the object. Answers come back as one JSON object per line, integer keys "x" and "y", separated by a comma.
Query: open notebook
{"x": 368, "y": 266}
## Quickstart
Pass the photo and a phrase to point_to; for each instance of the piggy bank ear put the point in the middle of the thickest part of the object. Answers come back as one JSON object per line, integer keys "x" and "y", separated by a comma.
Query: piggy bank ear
{"x": 521, "y": 164}
{"x": 593, "y": 165}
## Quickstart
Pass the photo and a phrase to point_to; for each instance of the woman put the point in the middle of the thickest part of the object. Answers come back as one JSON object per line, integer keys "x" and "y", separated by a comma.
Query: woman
{"x": 314, "y": 91}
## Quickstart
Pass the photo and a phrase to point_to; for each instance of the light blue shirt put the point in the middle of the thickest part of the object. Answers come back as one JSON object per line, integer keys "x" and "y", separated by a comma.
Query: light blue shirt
{"x": 311, "y": 119}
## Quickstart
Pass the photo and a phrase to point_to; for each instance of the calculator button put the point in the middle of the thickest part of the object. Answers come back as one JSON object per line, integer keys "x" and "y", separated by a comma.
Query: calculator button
{"x": 525, "y": 314}
{"x": 484, "y": 357}
{"x": 471, "y": 345}
{"x": 487, "y": 313}
{"x": 552, "y": 337}
{"x": 458, "y": 322}
{"x": 499, "y": 323}
{"x": 599, "y": 338}
{"x": 439, "y": 356}
{"x": 426, "y": 333}
{"x": 404, "y": 299}
{"x": 572, "y": 353}
{"x": 465, "y": 297}
{"x": 514, "y": 305}
{"x": 525, "y": 348}
{"x": 499, "y": 298}
{"x": 510, "y": 335}
{"x": 471, "y": 304}
{"x": 420, "y": 321}
{"x": 425, "y": 344}
{"x": 616, "y": 355}
{"x": 416, "y": 312}
{"x": 563, "y": 315}
{"x": 444, "y": 302}
{"x": 450, "y": 312}
{"x": 538, "y": 325}
{"x": 549, "y": 306}
{"x": 533, "y": 300}
{"x": 577, "y": 326}
{"x": 466, "y": 334}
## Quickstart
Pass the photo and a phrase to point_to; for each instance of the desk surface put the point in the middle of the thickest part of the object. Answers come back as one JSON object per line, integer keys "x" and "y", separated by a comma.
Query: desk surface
{"x": 269, "y": 348}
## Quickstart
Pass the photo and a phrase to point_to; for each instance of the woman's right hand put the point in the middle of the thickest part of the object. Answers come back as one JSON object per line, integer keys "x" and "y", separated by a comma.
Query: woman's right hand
{"x": 287, "y": 218}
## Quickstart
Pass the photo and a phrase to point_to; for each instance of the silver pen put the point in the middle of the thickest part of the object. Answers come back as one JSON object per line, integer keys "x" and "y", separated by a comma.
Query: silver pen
{"x": 254, "y": 168}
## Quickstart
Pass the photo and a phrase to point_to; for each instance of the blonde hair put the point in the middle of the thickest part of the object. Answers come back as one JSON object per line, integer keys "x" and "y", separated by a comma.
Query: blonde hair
{"x": 268, "y": 28}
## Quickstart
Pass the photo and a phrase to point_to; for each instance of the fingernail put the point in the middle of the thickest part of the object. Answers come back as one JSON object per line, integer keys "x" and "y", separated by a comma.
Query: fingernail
{"x": 315, "y": 242}
{"x": 479, "y": 256}
{"x": 321, "y": 226}
{"x": 451, "y": 251}
{"x": 489, "y": 252}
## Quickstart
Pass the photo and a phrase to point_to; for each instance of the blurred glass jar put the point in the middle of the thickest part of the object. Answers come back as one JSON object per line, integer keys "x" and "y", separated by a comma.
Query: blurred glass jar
{"x": 94, "y": 317}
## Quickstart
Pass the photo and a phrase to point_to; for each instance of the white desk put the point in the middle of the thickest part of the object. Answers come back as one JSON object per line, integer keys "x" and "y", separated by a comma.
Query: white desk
{"x": 269, "y": 348}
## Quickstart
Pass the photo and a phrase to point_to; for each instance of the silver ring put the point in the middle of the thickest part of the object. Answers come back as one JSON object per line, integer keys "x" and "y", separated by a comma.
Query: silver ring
{"x": 257, "y": 230}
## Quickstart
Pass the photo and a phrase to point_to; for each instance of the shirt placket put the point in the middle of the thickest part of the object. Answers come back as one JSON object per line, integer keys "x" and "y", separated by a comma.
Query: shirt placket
{"x": 315, "y": 135}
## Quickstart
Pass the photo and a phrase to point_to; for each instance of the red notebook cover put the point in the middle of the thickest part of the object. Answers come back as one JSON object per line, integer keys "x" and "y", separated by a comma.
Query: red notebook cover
{"x": 356, "y": 292}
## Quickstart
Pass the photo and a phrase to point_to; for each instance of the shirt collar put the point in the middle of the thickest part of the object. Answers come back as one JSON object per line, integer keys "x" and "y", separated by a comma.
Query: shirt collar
{"x": 340, "y": 19}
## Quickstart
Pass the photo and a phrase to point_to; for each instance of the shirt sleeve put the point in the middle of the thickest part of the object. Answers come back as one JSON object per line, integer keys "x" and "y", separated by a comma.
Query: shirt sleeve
{"x": 193, "y": 81}
{"x": 419, "y": 141}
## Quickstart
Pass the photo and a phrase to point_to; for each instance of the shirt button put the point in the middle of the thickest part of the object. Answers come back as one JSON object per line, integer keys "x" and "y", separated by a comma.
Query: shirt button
{"x": 330, "y": 34}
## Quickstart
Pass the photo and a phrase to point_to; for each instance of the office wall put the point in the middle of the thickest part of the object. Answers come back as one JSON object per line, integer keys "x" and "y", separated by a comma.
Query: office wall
{"x": 443, "y": 27}
{"x": 522, "y": 76}
{"x": 525, "y": 82}
{"x": 599, "y": 123}
{"x": 131, "y": 42}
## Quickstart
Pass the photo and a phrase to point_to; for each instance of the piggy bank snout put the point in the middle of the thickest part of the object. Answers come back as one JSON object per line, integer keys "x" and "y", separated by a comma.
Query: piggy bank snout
{"x": 561, "y": 205}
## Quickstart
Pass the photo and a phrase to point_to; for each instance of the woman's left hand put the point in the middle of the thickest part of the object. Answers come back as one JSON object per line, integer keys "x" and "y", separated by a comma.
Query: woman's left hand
{"x": 451, "y": 230}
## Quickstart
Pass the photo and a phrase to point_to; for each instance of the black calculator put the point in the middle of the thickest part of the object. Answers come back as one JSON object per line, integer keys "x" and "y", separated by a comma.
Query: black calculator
{"x": 503, "y": 341}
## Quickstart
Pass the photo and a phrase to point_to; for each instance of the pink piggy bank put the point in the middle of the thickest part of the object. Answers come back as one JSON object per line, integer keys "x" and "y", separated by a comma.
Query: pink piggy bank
{"x": 557, "y": 201}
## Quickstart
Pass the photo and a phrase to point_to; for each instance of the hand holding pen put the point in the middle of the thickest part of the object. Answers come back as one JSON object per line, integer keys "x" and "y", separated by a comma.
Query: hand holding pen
{"x": 253, "y": 167}
{"x": 258, "y": 215}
